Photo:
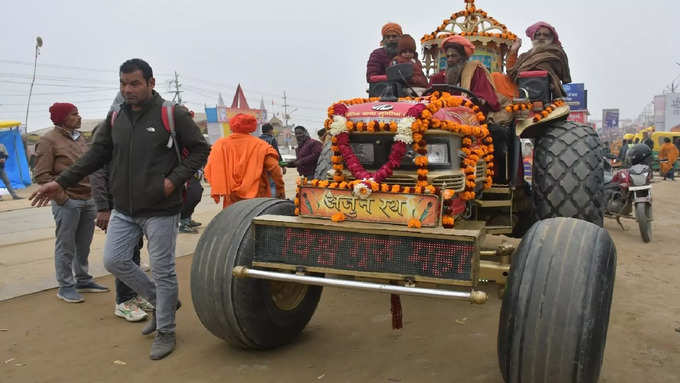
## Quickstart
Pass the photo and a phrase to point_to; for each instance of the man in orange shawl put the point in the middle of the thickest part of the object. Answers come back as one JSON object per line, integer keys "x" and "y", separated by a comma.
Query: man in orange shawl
{"x": 239, "y": 165}
{"x": 667, "y": 157}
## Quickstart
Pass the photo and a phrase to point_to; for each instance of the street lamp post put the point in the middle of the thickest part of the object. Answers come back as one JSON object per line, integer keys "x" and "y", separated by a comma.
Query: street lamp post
{"x": 38, "y": 45}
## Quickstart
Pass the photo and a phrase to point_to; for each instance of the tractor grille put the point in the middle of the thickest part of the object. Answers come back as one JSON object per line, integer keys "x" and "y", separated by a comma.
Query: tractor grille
{"x": 455, "y": 182}
{"x": 480, "y": 171}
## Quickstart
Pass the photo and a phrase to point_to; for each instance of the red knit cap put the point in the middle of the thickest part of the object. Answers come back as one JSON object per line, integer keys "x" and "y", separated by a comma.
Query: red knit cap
{"x": 393, "y": 28}
{"x": 243, "y": 123}
{"x": 59, "y": 111}
{"x": 407, "y": 43}
{"x": 459, "y": 40}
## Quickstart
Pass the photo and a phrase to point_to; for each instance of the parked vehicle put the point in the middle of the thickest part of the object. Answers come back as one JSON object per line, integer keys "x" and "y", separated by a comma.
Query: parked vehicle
{"x": 629, "y": 191}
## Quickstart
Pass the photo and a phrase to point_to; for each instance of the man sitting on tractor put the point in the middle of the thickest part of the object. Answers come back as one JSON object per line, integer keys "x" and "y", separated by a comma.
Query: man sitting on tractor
{"x": 468, "y": 74}
{"x": 545, "y": 55}
{"x": 381, "y": 58}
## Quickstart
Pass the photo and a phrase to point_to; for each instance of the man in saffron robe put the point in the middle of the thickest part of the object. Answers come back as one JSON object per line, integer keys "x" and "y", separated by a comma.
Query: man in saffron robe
{"x": 239, "y": 166}
{"x": 667, "y": 157}
{"x": 466, "y": 73}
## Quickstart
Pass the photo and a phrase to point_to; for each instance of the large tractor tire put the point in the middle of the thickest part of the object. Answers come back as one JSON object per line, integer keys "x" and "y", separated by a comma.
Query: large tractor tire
{"x": 555, "y": 311}
{"x": 248, "y": 313}
{"x": 568, "y": 173}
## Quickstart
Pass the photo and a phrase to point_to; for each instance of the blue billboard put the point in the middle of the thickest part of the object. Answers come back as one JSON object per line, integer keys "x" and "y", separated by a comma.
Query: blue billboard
{"x": 610, "y": 118}
{"x": 576, "y": 96}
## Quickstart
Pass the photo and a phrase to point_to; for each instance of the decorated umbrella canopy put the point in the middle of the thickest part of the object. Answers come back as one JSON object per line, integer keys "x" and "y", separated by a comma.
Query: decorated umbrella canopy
{"x": 492, "y": 39}
{"x": 16, "y": 165}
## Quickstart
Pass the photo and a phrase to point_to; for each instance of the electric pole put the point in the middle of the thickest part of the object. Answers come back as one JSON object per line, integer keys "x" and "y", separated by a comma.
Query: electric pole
{"x": 177, "y": 98}
{"x": 285, "y": 108}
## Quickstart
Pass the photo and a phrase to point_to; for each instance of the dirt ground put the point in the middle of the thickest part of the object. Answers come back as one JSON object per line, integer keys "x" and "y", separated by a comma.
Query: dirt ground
{"x": 349, "y": 339}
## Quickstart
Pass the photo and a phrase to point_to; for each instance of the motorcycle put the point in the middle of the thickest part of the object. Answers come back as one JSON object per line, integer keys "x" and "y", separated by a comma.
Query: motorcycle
{"x": 628, "y": 191}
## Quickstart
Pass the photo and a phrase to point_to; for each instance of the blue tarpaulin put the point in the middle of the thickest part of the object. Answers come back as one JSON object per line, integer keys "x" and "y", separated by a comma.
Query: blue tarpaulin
{"x": 16, "y": 165}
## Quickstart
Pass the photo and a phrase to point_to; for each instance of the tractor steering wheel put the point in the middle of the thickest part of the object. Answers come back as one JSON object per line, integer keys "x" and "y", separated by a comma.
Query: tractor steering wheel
{"x": 452, "y": 89}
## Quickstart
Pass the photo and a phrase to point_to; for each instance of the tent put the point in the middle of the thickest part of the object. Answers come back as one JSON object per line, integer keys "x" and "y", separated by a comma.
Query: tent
{"x": 16, "y": 165}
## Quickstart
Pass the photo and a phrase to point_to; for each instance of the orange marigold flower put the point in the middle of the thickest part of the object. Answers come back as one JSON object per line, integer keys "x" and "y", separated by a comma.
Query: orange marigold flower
{"x": 418, "y": 190}
{"x": 393, "y": 126}
{"x": 338, "y": 217}
{"x": 338, "y": 167}
{"x": 384, "y": 188}
{"x": 297, "y": 211}
{"x": 343, "y": 185}
{"x": 414, "y": 223}
{"x": 336, "y": 159}
{"x": 334, "y": 140}
{"x": 381, "y": 125}
{"x": 448, "y": 193}
{"x": 374, "y": 186}
{"x": 447, "y": 221}
{"x": 315, "y": 182}
{"x": 395, "y": 188}
{"x": 406, "y": 189}
{"x": 323, "y": 184}
{"x": 421, "y": 161}
{"x": 333, "y": 185}
{"x": 430, "y": 189}
{"x": 349, "y": 125}
{"x": 422, "y": 172}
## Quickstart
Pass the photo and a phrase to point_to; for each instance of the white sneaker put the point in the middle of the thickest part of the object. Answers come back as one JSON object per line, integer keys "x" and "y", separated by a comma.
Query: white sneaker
{"x": 142, "y": 303}
{"x": 130, "y": 311}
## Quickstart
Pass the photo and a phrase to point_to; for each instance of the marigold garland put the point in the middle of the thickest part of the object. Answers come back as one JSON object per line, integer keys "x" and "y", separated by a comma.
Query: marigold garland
{"x": 547, "y": 110}
{"x": 420, "y": 118}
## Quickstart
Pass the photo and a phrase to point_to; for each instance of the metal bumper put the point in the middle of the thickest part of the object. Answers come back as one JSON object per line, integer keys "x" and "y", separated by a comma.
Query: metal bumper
{"x": 473, "y": 296}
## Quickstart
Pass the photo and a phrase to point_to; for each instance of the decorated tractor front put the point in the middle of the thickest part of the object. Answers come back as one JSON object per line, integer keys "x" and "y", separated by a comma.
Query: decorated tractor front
{"x": 414, "y": 162}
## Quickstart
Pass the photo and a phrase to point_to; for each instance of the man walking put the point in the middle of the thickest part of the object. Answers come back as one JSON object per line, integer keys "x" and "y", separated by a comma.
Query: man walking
{"x": 3, "y": 175}
{"x": 128, "y": 305}
{"x": 307, "y": 153}
{"x": 146, "y": 179}
{"x": 72, "y": 206}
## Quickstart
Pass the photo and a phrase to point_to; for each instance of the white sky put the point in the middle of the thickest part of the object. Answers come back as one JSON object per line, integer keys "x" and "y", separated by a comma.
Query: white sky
{"x": 624, "y": 51}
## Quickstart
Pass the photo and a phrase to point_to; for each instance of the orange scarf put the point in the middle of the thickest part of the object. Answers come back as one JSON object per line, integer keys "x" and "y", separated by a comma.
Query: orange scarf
{"x": 235, "y": 167}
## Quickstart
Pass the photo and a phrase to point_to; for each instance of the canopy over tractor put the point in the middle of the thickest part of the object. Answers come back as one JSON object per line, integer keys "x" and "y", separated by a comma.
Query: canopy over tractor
{"x": 491, "y": 38}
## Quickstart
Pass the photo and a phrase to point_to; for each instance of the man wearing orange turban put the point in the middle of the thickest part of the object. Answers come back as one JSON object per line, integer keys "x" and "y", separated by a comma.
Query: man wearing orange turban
{"x": 380, "y": 58}
{"x": 466, "y": 73}
{"x": 239, "y": 165}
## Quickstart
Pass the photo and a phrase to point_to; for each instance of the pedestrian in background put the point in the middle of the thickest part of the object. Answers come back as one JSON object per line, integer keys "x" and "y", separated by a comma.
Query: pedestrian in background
{"x": 323, "y": 164}
{"x": 268, "y": 136}
{"x": 240, "y": 165}
{"x": 72, "y": 207}
{"x": 192, "y": 197}
{"x": 307, "y": 153}
{"x": 3, "y": 175}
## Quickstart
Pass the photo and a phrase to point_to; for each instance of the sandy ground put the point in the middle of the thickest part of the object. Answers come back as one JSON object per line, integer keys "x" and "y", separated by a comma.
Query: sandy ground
{"x": 349, "y": 339}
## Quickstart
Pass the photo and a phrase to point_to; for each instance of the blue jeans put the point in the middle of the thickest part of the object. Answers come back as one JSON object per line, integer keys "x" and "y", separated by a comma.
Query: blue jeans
{"x": 161, "y": 234}
{"x": 75, "y": 227}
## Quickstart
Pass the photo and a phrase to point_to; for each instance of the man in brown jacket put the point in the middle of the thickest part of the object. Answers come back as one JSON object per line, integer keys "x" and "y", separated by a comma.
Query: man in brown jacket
{"x": 73, "y": 210}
